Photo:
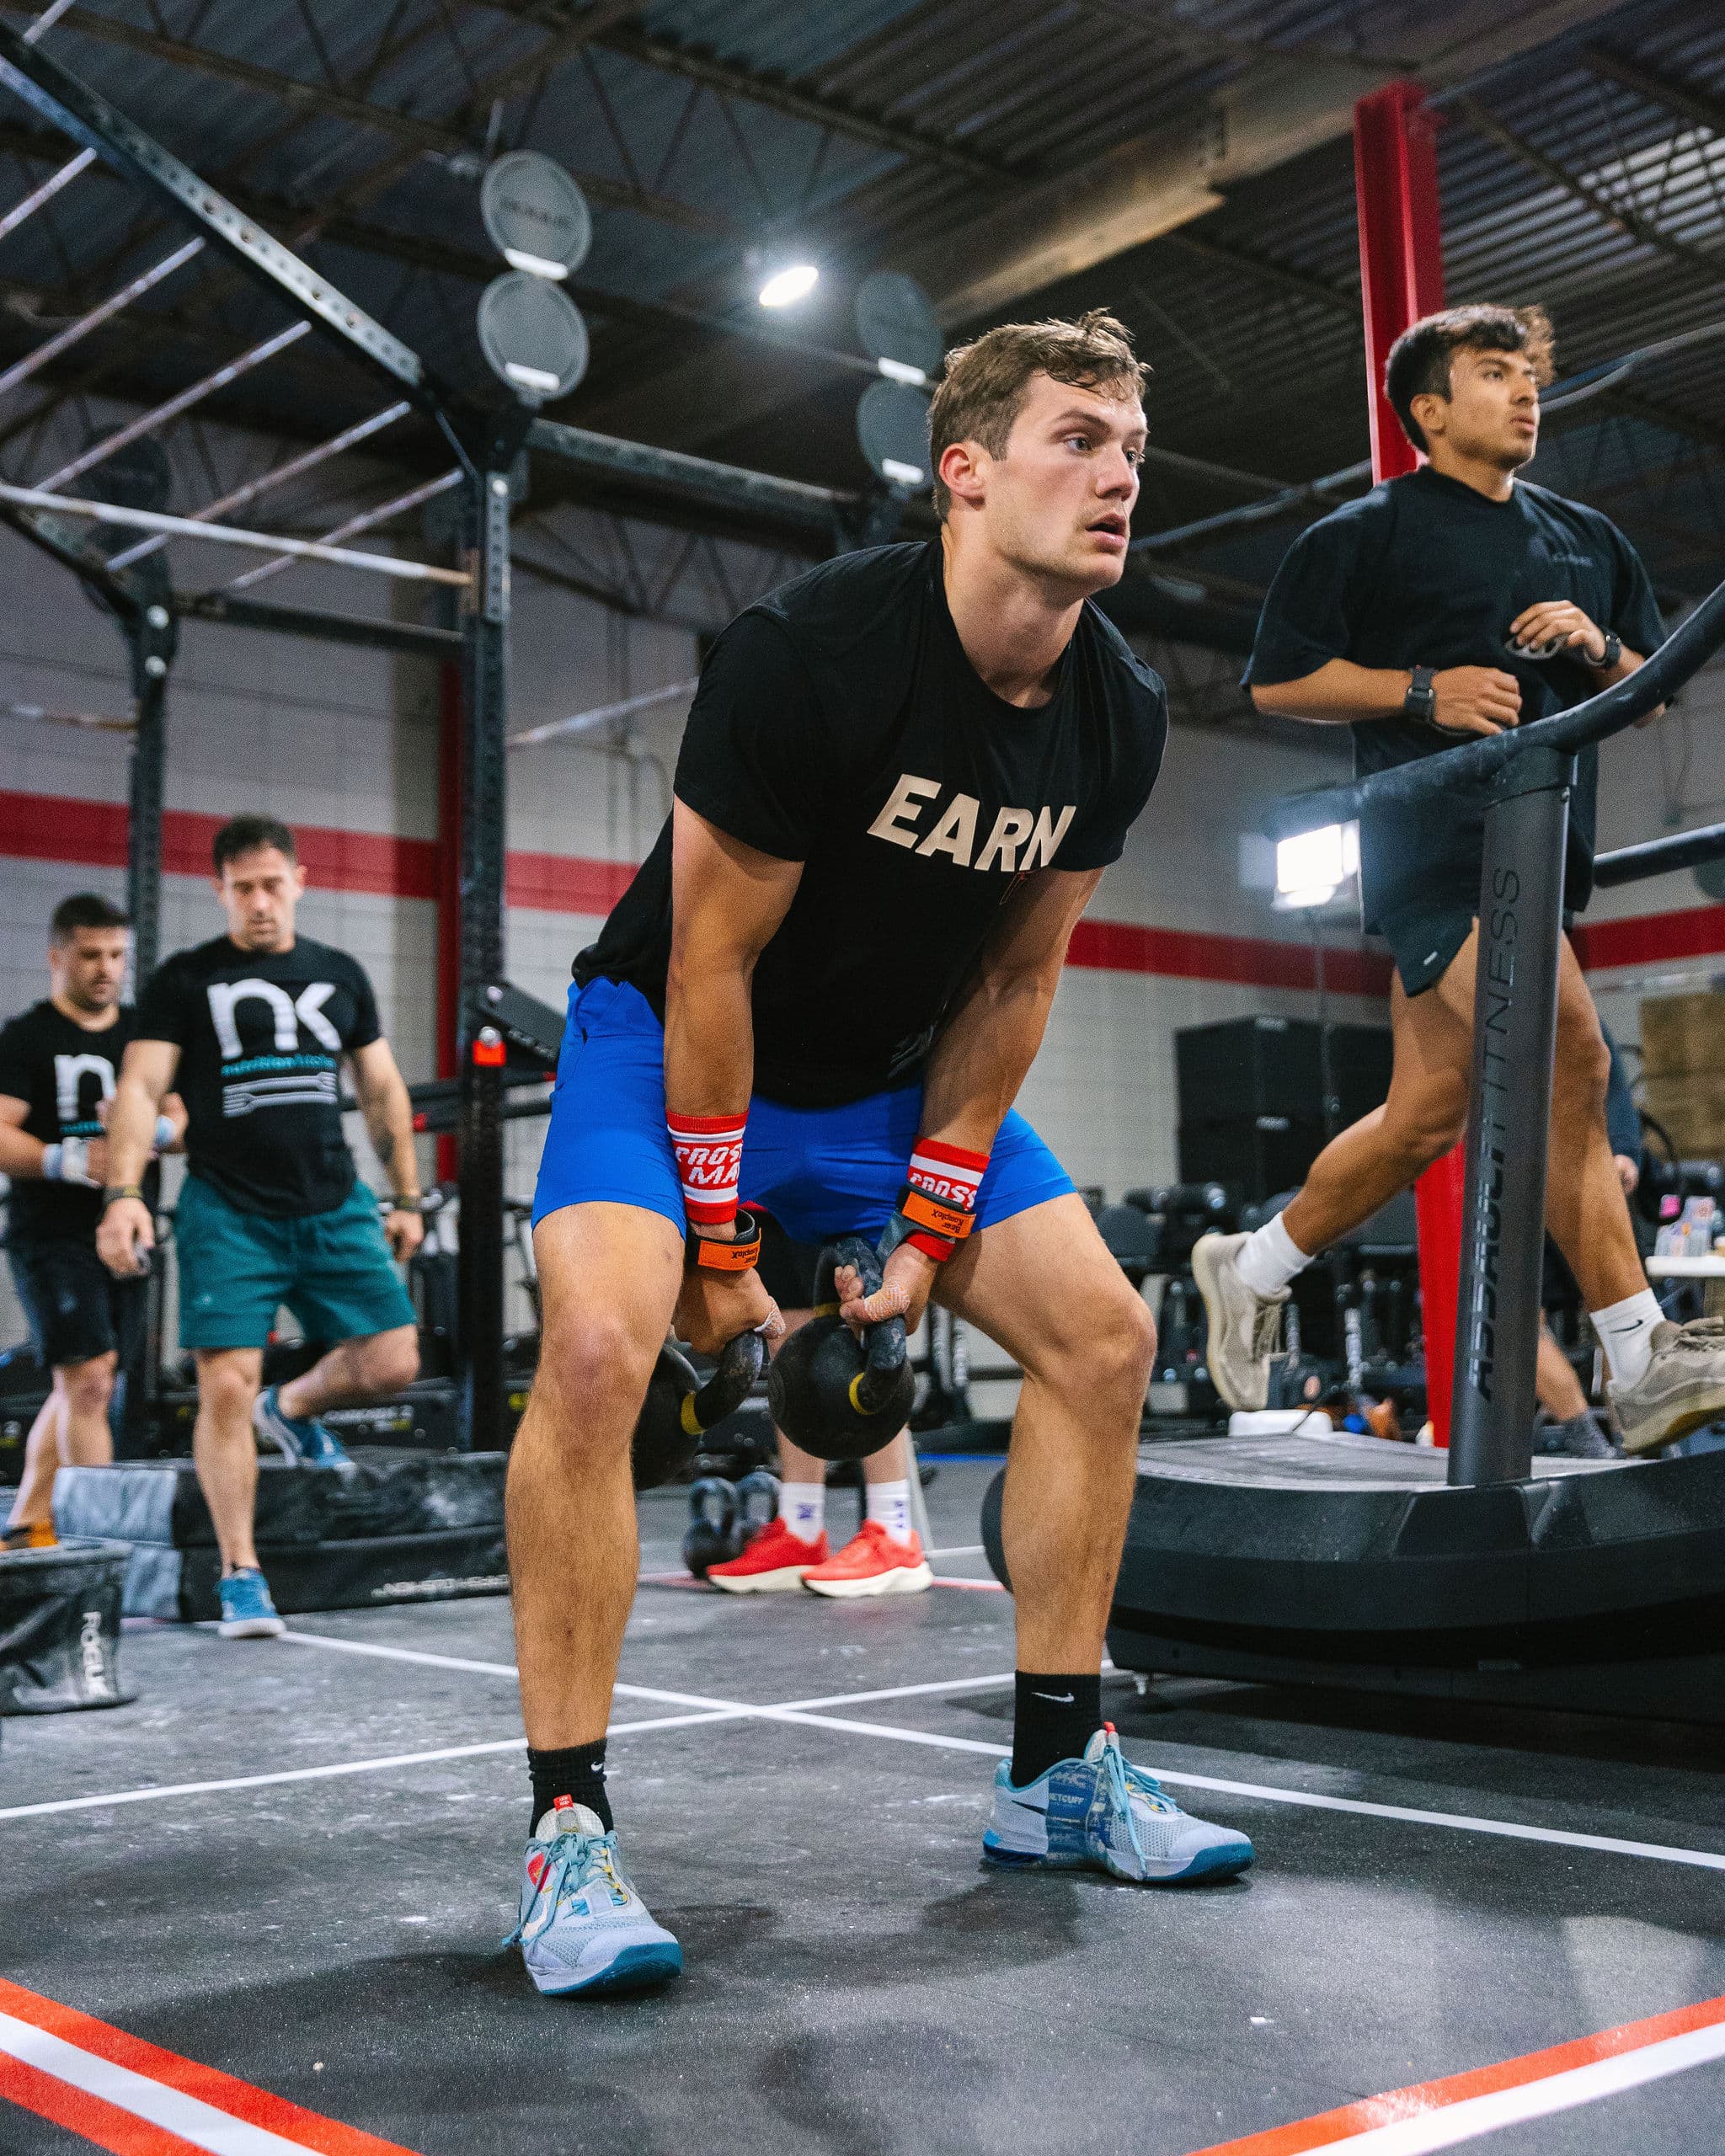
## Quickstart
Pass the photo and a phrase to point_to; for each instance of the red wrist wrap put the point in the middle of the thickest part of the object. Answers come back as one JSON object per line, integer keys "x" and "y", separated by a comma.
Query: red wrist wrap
{"x": 709, "y": 1150}
{"x": 939, "y": 1198}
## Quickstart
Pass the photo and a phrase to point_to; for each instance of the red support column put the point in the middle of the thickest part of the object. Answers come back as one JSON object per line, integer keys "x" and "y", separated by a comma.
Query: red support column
{"x": 449, "y": 891}
{"x": 1401, "y": 278}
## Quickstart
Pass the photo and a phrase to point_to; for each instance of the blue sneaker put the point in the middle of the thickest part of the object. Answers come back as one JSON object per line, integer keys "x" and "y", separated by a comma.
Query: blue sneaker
{"x": 1103, "y": 1814}
{"x": 247, "y": 1611}
{"x": 299, "y": 1438}
{"x": 583, "y": 1928}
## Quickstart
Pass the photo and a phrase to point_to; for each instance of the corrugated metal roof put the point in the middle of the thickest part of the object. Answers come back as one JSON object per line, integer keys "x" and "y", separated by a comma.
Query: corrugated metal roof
{"x": 713, "y": 132}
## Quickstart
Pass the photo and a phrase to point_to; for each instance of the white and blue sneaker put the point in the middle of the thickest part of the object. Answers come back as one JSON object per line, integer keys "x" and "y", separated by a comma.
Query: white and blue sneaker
{"x": 582, "y": 1927}
{"x": 1102, "y": 1813}
{"x": 248, "y": 1610}
{"x": 300, "y": 1439}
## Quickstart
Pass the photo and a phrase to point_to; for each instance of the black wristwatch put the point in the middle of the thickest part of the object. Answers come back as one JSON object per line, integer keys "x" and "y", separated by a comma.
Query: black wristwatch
{"x": 1609, "y": 658}
{"x": 1421, "y": 702}
{"x": 115, "y": 1191}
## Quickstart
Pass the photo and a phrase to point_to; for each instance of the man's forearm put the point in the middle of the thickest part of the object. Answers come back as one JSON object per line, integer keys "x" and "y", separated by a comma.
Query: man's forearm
{"x": 1338, "y": 693}
{"x": 982, "y": 1058}
{"x": 20, "y": 1155}
{"x": 709, "y": 1041}
{"x": 131, "y": 1129}
{"x": 389, "y": 1119}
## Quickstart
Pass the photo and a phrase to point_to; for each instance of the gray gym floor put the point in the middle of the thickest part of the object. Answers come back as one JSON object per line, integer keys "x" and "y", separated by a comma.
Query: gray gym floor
{"x": 855, "y": 1982}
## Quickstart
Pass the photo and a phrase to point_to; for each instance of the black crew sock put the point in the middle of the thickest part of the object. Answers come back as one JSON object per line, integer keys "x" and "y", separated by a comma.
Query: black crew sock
{"x": 576, "y": 1771}
{"x": 1054, "y": 1718}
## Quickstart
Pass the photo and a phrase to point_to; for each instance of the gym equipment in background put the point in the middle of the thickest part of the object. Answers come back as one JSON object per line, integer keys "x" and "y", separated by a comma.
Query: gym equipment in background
{"x": 1349, "y": 1561}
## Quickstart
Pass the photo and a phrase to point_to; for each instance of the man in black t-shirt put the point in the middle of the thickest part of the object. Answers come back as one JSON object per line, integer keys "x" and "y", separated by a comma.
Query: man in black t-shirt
{"x": 254, "y": 1027}
{"x": 1446, "y": 604}
{"x": 59, "y": 1061}
{"x": 901, "y": 779}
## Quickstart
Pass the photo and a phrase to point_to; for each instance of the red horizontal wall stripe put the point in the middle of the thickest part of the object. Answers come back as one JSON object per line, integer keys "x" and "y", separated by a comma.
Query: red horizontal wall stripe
{"x": 564, "y": 883}
{"x": 59, "y": 827}
{"x": 1254, "y": 961}
{"x": 52, "y": 827}
{"x": 1643, "y": 939}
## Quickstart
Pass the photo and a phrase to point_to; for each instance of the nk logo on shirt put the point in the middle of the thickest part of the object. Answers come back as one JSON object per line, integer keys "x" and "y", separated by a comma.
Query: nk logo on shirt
{"x": 288, "y": 1013}
{"x": 1017, "y": 842}
{"x": 69, "y": 1073}
{"x": 291, "y": 1078}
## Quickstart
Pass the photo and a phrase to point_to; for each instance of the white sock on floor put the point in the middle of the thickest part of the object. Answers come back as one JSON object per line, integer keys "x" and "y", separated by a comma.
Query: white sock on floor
{"x": 890, "y": 1502}
{"x": 1626, "y": 1331}
{"x": 802, "y": 1506}
{"x": 1269, "y": 1257}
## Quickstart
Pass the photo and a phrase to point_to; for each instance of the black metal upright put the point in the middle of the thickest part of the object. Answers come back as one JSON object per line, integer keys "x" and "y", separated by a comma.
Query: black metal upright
{"x": 151, "y": 634}
{"x": 1514, "y": 1033}
{"x": 484, "y": 711}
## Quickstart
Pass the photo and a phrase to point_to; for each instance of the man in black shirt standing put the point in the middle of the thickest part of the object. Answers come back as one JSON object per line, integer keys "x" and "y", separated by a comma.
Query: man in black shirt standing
{"x": 1451, "y": 603}
{"x": 254, "y": 1027}
{"x": 901, "y": 779}
{"x": 58, "y": 1065}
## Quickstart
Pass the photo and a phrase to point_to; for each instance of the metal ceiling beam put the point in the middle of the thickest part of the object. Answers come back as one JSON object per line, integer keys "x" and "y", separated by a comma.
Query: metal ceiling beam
{"x": 783, "y": 501}
{"x": 89, "y": 118}
{"x": 409, "y": 636}
{"x": 799, "y": 100}
{"x": 1687, "y": 100}
{"x": 1277, "y": 108}
{"x": 1630, "y": 222}
{"x": 424, "y": 137}
{"x": 1274, "y": 276}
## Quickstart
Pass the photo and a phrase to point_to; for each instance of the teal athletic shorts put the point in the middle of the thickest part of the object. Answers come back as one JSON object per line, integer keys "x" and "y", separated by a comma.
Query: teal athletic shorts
{"x": 333, "y": 1270}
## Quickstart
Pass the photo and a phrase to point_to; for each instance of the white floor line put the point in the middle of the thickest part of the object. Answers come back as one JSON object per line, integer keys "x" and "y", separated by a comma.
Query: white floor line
{"x": 959, "y": 1550}
{"x": 153, "y": 1793}
{"x": 1452, "y": 2124}
{"x": 377, "y": 1647}
{"x": 731, "y": 1707}
{"x": 172, "y": 2109}
{"x": 707, "y": 1708}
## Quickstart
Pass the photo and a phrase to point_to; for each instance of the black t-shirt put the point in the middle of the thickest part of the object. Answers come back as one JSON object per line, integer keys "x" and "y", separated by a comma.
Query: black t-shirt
{"x": 62, "y": 1071}
{"x": 1424, "y": 571}
{"x": 261, "y": 1034}
{"x": 840, "y": 723}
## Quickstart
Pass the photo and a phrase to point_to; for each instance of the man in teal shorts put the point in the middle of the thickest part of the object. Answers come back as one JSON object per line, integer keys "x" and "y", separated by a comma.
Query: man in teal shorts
{"x": 252, "y": 1029}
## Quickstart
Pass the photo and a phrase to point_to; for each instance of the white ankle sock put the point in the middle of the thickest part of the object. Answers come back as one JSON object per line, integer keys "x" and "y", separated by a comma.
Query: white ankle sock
{"x": 1269, "y": 1258}
{"x": 1626, "y": 1331}
{"x": 802, "y": 1506}
{"x": 890, "y": 1502}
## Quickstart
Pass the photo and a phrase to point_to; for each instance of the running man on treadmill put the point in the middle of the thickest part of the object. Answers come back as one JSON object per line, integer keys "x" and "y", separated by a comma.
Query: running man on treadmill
{"x": 901, "y": 779}
{"x": 1454, "y": 602}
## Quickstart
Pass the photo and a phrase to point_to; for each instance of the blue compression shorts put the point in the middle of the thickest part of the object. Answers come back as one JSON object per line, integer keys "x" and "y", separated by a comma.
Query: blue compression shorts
{"x": 820, "y": 1172}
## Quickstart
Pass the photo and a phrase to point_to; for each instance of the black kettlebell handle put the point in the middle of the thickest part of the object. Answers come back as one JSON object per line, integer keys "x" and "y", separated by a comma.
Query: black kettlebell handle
{"x": 730, "y": 1385}
{"x": 884, "y": 1345}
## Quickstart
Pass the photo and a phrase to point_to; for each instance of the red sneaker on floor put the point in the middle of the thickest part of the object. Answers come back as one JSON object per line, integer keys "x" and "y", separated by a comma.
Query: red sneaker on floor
{"x": 774, "y": 1561}
{"x": 872, "y": 1562}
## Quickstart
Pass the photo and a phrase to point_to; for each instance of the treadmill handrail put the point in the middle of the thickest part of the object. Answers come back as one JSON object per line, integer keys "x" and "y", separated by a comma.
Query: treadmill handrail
{"x": 1653, "y": 682}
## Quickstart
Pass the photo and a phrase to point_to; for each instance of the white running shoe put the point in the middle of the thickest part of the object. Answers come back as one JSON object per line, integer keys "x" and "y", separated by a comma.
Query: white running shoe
{"x": 1244, "y": 1326}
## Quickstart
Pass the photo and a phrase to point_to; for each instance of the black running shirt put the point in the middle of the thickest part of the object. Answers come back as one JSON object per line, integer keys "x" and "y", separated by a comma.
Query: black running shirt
{"x": 840, "y": 723}
{"x": 63, "y": 1072}
{"x": 261, "y": 1035}
{"x": 1425, "y": 571}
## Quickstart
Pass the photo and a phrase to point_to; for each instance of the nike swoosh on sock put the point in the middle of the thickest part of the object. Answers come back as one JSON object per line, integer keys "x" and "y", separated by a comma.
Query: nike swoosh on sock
{"x": 1057, "y": 1699}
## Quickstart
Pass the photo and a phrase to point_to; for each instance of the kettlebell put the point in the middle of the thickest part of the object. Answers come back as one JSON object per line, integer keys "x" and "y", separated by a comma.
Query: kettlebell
{"x": 832, "y": 1395}
{"x": 757, "y": 1505}
{"x": 713, "y": 1538}
{"x": 678, "y": 1407}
